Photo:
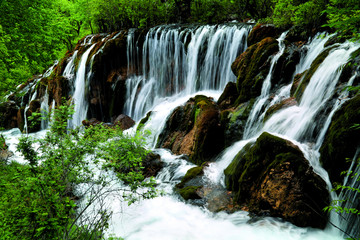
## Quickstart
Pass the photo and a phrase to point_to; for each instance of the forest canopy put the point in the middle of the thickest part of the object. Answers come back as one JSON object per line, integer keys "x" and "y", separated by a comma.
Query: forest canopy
{"x": 34, "y": 33}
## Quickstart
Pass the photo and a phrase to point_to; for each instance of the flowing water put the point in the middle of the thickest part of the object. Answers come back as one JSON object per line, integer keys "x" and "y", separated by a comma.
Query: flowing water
{"x": 179, "y": 63}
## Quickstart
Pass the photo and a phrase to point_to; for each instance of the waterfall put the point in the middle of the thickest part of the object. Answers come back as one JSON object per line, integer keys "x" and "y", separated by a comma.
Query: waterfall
{"x": 182, "y": 61}
{"x": 352, "y": 199}
{"x": 44, "y": 108}
{"x": 79, "y": 97}
{"x": 297, "y": 122}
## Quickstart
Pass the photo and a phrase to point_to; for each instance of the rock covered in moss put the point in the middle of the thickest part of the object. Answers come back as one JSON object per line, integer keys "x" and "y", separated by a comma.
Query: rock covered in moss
{"x": 234, "y": 121}
{"x": 194, "y": 129}
{"x": 272, "y": 176}
{"x": 341, "y": 139}
{"x": 261, "y": 31}
{"x": 252, "y": 67}
{"x": 228, "y": 96}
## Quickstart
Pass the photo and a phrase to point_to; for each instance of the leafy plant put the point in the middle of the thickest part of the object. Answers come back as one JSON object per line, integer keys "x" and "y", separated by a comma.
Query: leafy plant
{"x": 49, "y": 197}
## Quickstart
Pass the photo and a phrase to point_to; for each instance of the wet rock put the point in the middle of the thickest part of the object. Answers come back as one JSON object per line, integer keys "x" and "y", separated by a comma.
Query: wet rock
{"x": 272, "y": 176}
{"x": 8, "y": 114}
{"x": 228, "y": 96}
{"x": 109, "y": 72}
{"x": 91, "y": 122}
{"x": 285, "y": 66}
{"x": 194, "y": 185}
{"x": 144, "y": 120}
{"x": 124, "y": 121}
{"x": 152, "y": 165}
{"x": 58, "y": 88}
{"x": 261, "y": 31}
{"x": 341, "y": 140}
{"x": 252, "y": 67}
{"x": 289, "y": 102}
{"x": 194, "y": 129}
{"x": 234, "y": 121}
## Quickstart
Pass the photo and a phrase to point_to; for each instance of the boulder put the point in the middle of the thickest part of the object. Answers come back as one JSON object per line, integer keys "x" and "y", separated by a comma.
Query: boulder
{"x": 252, "y": 67}
{"x": 261, "y": 31}
{"x": 272, "y": 177}
{"x": 195, "y": 130}
{"x": 228, "y": 96}
{"x": 194, "y": 186}
{"x": 152, "y": 165}
{"x": 234, "y": 121}
{"x": 341, "y": 140}
{"x": 124, "y": 121}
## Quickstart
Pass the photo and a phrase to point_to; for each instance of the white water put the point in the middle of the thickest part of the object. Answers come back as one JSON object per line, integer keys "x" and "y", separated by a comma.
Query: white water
{"x": 79, "y": 97}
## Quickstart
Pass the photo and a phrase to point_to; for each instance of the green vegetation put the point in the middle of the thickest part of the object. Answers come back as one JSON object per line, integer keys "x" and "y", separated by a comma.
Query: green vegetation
{"x": 41, "y": 199}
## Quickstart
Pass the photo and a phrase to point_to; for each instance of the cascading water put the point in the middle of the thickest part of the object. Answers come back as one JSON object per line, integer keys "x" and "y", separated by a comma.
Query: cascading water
{"x": 79, "y": 97}
{"x": 174, "y": 62}
{"x": 178, "y": 64}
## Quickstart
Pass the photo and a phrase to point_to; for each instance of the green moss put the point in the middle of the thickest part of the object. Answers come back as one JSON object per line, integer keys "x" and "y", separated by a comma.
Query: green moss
{"x": 190, "y": 174}
{"x": 341, "y": 140}
{"x": 189, "y": 192}
{"x": 250, "y": 68}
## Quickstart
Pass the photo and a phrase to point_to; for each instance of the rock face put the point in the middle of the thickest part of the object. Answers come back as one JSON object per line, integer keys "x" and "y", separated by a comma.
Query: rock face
{"x": 194, "y": 129}
{"x": 251, "y": 68}
{"x": 124, "y": 121}
{"x": 261, "y": 31}
{"x": 341, "y": 140}
{"x": 273, "y": 177}
{"x": 8, "y": 114}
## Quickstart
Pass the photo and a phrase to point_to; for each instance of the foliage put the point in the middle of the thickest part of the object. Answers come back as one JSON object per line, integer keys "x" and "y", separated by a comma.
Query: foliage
{"x": 344, "y": 17}
{"x": 347, "y": 206}
{"x": 41, "y": 200}
{"x": 305, "y": 14}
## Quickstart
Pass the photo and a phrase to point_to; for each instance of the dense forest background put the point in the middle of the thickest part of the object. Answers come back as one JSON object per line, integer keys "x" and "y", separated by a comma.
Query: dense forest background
{"x": 34, "y": 33}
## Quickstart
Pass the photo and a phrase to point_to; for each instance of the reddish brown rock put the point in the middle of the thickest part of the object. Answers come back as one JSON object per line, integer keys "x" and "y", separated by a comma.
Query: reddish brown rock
{"x": 194, "y": 129}
{"x": 124, "y": 121}
{"x": 281, "y": 105}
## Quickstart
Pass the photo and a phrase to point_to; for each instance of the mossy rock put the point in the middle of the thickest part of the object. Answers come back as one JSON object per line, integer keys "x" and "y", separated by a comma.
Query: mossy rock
{"x": 261, "y": 31}
{"x": 189, "y": 192}
{"x": 191, "y": 174}
{"x": 58, "y": 88}
{"x": 309, "y": 73}
{"x": 143, "y": 121}
{"x": 228, "y": 96}
{"x": 341, "y": 140}
{"x": 252, "y": 67}
{"x": 285, "y": 66}
{"x": 272, "y": 176}
{"x": 234, "y": 121}
{"x": 192, "y": 128}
